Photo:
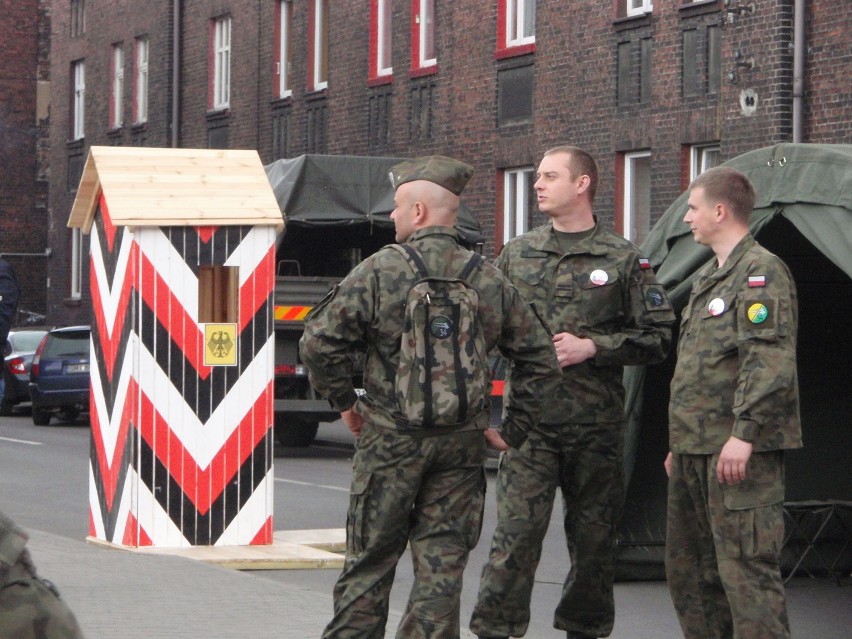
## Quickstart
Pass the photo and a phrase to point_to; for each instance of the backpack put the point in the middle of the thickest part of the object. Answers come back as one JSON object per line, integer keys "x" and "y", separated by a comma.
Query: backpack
{"x": 442, "y": 378}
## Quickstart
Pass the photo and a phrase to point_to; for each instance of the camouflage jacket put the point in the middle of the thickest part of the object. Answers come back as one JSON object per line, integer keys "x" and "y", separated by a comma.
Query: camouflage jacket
{"x": 367, "y": 308}
{"x": 12, "y": 542}
{"x": 604, "y": 290}
{"x": 736, "y": 365}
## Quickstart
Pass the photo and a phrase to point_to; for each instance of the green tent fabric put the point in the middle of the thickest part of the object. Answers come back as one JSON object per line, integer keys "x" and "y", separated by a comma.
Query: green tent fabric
{"x": 803, "y": 213}
{"x": 344, "y": 190}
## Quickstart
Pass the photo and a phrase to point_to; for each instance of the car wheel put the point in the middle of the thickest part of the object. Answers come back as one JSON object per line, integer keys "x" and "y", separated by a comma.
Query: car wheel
{"x": 41, "y": 417}
{"x": 295, "y": 431}
{"x": 6, "y": 407}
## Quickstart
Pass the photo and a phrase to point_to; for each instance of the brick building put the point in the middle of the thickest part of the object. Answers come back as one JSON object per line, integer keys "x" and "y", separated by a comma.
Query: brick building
{"x": 23, "y": 133}
{"x": 654, "y": 90}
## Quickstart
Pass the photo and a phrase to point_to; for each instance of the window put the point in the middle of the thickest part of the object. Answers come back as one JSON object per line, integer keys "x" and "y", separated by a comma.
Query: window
{"x": 141, "y": 87}
{"x": 520, "y": 22}
{"x": 285, "y": 57}
{"x": 78, "y": 18}
{"x": 703, "y": 157}
{"x": 423, "y": 36}
{"x": 637, "y": 196}
{"x": 319, "y": 59}
{"x": 78, "y": 111}
{"x": 633, "y": 81}
{"x": 639, "y": 7}
{"x": 116, "y": 111}
{"x": 517, "y": 201}
{"x": 76, "y": 263}
{"x": 380, "y": 42}
{"x": 221, "y": 62}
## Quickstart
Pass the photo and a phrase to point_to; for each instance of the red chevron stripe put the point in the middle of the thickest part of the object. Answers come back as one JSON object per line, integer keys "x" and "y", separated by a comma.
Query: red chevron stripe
{"x": 109, "y": 228}
{"x": 109, "y": 342}
{"x": 109, "y": 468}
{"x": 134, "y": 534}
{"x": 264, "y": 535}
{"x": 181, "y": 327}
{"x": 205, "y": 232}
{"x": 204, "y": 485}
{"x": 255, "y": 291}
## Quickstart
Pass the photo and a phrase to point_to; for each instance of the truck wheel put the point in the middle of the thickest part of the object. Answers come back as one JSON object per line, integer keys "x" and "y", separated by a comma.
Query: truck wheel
{"x": 41, "y": 416}
{"x": 295, "y": 431}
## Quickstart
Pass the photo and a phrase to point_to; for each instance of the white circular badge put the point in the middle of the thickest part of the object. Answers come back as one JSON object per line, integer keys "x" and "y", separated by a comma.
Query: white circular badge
{"x": 599, "y": 277}
{"x": 716, "y": 306}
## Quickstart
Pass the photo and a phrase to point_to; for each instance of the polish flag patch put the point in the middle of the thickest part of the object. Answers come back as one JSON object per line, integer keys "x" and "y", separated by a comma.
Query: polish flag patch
{"x": 644, "y": 263}
{"x": 756, "y": 281}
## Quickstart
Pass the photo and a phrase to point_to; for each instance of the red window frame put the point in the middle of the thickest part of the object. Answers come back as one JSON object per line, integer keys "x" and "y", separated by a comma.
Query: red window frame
{"x": 375, "y": 78}
{"x": 504, "y": 50}
{"x": 417, "y": 70}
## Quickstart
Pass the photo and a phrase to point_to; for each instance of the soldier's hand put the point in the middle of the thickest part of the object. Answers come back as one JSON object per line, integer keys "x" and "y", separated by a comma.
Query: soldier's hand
{"x": 493, "y": 440}
{"x": 571, "y": 349}
{"x": 668, "y": 464}
{"x": 353, "y": 421}
{"x": 733, "y": 460}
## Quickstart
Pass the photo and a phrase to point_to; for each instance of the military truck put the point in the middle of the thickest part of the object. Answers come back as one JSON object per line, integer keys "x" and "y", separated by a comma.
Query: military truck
{"x": 337, "y": 212}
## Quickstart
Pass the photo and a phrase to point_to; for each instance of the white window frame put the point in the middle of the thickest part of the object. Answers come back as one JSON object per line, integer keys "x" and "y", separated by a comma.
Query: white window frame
{"x": 426, "y": 26}
{"x": 516, "y": 22}
{"x": 517, "y": 185}
{"x": 222, "y": 62}
{"x": 79, "y": 117}
{"x": 284, "y": 64}
{"x": 630, "y": 204}
{"x": 142, "y": 48}
{"x": 320, "y": 45}
{"x": 701, "y": 159}
{"x": 76, "y": 263}
{"x": 384, "y": 43}
{"x": 639, "y": 7}
{"x": 117, "y": 85}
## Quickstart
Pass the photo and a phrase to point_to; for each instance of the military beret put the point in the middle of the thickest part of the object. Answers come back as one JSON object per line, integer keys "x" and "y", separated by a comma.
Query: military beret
{"x": 444, "y": 171}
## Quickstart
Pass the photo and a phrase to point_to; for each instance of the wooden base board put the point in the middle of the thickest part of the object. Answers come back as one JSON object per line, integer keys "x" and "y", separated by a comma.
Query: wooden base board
{"x": 290, "y": 549}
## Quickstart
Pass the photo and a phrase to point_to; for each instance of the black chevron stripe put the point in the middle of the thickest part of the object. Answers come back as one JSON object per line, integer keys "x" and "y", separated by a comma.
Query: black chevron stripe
{"x": 110, "y": 258}
{"x": 110, "y": 387}
{"x": 205, "y": 529}
{"x": 110, "y": 517}
{"x": 217, "y": 250}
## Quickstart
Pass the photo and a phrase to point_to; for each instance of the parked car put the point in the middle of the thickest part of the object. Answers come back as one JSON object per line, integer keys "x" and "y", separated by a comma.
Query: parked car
{"x": 17, "y": 357}
{"x": 59, "y": 376}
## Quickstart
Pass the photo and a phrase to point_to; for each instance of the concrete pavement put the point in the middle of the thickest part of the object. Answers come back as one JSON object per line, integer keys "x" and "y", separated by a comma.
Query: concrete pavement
{"x": 116, "y": 593}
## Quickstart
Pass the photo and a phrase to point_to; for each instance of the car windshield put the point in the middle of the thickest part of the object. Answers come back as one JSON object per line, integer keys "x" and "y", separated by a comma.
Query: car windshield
{"x": 66, "y": 344}
{"x": 25, "y": 341}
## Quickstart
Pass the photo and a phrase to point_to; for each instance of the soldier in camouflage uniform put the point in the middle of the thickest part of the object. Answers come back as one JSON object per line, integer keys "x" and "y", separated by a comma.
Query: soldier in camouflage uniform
{"x": 30, "y": 608}
{"x": 606, "y": 310}
{"x": 734, "y": 408}
{"x": 410, "y": 485}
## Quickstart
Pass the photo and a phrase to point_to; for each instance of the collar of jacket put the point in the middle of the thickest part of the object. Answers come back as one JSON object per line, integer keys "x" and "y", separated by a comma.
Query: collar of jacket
{"x": 713, "y": 274}
{"x": 546, "y": 242}
{"x": 447, "y": 231}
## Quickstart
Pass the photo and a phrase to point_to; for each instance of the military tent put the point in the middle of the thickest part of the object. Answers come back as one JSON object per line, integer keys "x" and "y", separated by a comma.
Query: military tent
{"x": 803, "y": 214}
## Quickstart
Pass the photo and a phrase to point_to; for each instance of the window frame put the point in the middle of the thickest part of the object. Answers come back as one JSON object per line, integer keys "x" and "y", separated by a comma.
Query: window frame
{"x": 628, "y": 213}
{"x": 318, "y": 30}
{"x": 142, "y": 45}
{"x": 517, "y": 187}
{"x": 78, "y": 99}
{"x": 220, "y": 85}
{"x": 420, "y": 29}
{"x": 381, "y": 41}
{"x": 284, "y": 58}
{"x": 698, "y": 154}
{"x": 647, "y": 6}
{"x": 76, "y": 283}
{"x": 116, "y": 96}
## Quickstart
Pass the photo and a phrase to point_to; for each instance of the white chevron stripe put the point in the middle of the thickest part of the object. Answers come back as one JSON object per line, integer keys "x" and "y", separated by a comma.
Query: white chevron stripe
{"x": 110, "y": 424}
{"x": 154, "y": 520}
{"x": 111, "y": 291}
{"x": 203, "y": 441}
{"x": 251, "y": 251}
{"x": 122, "y": 499}
{"x": 171, "y": 267}
{"x": 95, "y": 506}
{"x": 251, "y": 516}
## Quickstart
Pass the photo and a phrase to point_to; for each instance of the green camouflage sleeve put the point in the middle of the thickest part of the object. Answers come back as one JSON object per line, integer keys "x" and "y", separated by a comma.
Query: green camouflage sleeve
{"x": 766, "y": 325}
{"x": 646, "y": 334}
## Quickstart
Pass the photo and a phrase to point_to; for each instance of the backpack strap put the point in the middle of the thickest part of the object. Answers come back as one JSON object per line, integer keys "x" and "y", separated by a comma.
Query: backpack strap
{"x": 419, "y": 266}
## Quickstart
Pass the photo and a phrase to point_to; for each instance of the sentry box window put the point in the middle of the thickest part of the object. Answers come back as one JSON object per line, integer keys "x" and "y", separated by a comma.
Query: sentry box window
{"x": 218, "y": 294}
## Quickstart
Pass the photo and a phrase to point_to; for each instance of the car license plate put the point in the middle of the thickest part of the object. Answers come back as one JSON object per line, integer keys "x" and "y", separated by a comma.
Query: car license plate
{"x": 77, "y": 368}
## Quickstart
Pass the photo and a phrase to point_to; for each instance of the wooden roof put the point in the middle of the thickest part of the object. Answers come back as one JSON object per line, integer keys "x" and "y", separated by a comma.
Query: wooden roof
{"x": 146, "y": 186}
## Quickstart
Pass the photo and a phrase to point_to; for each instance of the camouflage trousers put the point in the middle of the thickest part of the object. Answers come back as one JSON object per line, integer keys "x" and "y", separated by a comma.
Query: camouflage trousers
{"x": 585, "y": 461}
{"x": 722, "y": 548}
{"x": 426, "y": 491}
{"x": 30, "y": 608}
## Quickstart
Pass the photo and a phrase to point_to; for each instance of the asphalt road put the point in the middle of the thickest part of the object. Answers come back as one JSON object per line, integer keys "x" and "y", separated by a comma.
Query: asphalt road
{"x": 44, "y": 486}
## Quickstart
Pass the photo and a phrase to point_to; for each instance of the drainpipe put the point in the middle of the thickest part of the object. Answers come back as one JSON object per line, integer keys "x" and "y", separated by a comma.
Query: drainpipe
{"x": 798, "y": 68}
{"x": 176, "y": 61}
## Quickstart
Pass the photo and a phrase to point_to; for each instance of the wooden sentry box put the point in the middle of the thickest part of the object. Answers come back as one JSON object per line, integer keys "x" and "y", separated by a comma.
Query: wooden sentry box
{"x": 181, "y": 277}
